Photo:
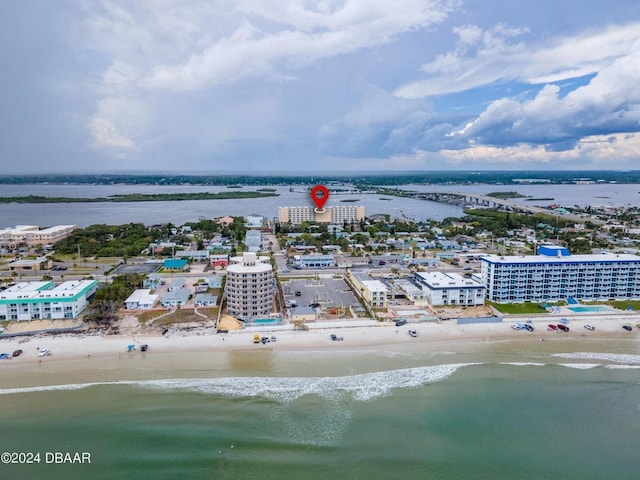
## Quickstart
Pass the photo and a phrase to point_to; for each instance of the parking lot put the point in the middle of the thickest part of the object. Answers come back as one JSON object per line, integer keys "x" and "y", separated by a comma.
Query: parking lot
{"x": 141, "y": 268}
{"x": 326, "y": 292}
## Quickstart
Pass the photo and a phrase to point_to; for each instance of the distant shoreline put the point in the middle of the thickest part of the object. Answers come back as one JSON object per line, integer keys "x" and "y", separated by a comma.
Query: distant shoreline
{"x": 360, "y": 179}
{"x": 140, "y": 197}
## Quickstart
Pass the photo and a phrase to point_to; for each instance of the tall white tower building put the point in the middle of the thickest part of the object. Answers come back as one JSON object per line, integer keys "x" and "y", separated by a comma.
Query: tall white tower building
{"x": 249, "y": 286}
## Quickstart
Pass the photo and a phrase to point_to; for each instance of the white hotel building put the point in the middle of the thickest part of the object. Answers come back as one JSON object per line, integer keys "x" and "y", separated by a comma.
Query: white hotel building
{"x": 249, "y": 288}
{"x": 45, "y": 300}
{"x": 449, "y": 289}
{"x": 337, "y": 214}
{"x": 32, "y": 235}
{"x": 535, "y": 278}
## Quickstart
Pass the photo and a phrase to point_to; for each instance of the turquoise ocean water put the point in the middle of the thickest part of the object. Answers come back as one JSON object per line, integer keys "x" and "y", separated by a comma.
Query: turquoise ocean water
{"x": 376, "y": 416}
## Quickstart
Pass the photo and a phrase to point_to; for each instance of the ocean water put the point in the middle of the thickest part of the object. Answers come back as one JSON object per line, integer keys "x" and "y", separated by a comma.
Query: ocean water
{"x": 364, "y": 415}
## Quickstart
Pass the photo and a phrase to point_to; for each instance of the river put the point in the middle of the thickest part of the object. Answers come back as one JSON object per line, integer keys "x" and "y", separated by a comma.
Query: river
{"x": 180, "y": 212}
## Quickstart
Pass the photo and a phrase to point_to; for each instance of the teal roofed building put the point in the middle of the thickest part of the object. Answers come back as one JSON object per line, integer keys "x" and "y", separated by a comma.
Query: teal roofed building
{"x": 45, "y": 300}
{"x": 175, "y": 264}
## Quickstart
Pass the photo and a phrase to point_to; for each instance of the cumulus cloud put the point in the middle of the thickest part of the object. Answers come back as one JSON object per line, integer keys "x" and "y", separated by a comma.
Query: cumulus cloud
{"x": 590, "y": 152}
{"x": 501, "y": 53}
{"x": 381, "y": 125}
{"x": 106, "y": 134}
{"x": 157, "y": 48}
{"x": 608, "y": 104}
{"x": 296, "y": 35}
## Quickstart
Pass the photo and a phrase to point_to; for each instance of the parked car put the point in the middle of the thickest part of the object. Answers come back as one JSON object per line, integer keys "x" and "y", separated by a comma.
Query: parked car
{"x": 144, "y": 348}
{"x": 523, "y": 326}
{"x": 589, "y": 327}
{"x": 399, "y": 323}
{"x": 298, "y": 294}
{"x": 336, "y": 338}
{"x": 43, "y": 352}
{"x": 17, "y": 353}
{"x": 256, "y": 338}
{"x": 562, "y": 327}
{"x": 628, "y": 328}
{"x": 4, "y": 356}
{"x": 264, "y": 340}
{"x": 552, "y": 328}
{"x": 273, "y": 338}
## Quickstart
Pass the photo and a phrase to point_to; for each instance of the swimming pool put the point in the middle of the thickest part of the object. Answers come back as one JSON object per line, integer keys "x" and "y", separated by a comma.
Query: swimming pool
{"x": 590, "y": 308}
{"x": 266, "y": 321}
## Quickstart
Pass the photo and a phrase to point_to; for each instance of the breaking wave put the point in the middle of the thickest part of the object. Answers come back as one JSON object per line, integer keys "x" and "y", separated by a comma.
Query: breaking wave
{"x": 580, "y": 366}
{"x": 362, "y": 387}
{"x": 610, "y": 357}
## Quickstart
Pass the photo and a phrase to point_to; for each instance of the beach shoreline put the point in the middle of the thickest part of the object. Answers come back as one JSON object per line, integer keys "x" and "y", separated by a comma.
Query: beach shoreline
{"x": 87, "y": 357}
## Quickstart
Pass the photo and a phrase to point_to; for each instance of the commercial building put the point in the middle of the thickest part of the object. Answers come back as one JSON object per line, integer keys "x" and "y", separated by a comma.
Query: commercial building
{"x": 449, "y": 289}
{"x": 175, "y": 265}
{"x": 32, "y": 235}
{"x": 560, "y": 276}
{"x": 336, "y": 214}
{"x": 250, "y": 286}
{"x": 314, "y": 261}
{"x": 36, "y": 264}
{"x": 45, "y": 300}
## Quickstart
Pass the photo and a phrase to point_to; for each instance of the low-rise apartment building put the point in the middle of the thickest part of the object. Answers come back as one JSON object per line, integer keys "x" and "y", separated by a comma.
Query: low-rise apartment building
{"x": 449, "y": 289}
{"x": 45, "y": 300}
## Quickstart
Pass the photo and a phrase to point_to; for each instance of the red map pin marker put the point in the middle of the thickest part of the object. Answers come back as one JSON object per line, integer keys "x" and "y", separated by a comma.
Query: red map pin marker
{"x": 319, "y": 195}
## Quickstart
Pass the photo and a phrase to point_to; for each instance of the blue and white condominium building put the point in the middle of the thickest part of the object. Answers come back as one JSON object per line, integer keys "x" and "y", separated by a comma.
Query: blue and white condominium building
{"x": 45, "y": 300}
{"x": 514, "y": 279}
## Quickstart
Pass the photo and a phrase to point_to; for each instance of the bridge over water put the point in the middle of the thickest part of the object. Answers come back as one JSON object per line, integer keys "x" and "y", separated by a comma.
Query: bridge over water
{"x": 466, "y": 199}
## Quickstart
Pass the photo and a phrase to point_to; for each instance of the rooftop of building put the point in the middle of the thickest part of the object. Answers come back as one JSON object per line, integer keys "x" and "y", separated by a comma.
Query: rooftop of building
{"x": 448, "y": 280}
{"x": 581, "y": 258}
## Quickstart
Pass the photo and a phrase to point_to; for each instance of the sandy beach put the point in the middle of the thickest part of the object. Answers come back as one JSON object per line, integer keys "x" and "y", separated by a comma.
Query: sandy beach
{"x": 85, "y": 357}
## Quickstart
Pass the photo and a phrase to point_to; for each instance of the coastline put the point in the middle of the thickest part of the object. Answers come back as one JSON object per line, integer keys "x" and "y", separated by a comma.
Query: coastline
{"x": 84, "y": 358}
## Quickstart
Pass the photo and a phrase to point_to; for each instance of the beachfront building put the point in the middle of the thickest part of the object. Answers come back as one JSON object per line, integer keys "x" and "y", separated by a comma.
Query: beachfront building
{"x": 250, "y": 286}
{"x": 557, "y": 275}
{"x": 205, "y": 300}
{"x": 449, "y": 289}
{"x": 31, "y": 235}
{"x": 336, "y": 214}
{"x": 45, "y": 300}
{"x": 176, "y": 298}
{"x": 314, "y": 261}
{"x": 374, "y": 292}
{"x": 141, "y": 299}
{"x": 413, "y": 292}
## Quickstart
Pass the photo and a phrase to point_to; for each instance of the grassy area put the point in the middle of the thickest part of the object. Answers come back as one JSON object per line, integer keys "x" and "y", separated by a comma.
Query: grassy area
{"x": 180, "y": 316}
{"x": 518, "y": 308}
{"x": 625, "y": 304}
{"x": 145, "y": 317}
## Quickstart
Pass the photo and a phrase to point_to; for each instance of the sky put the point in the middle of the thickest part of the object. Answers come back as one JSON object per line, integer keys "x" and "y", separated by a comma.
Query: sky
{"x": 250, "y": 86}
